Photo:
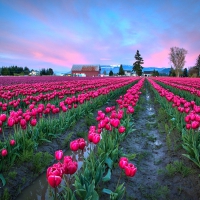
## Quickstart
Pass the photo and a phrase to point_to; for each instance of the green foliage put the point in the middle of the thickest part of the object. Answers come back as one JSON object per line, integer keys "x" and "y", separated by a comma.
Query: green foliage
{"x": 46, "y": 71}
{"x": 6, "y": 195}
{"x": 40, "y": 160}
{"x": 14, "y": 70}
{"x": 197, "y": 65}
{"x": 121, "y": 70}
{"x": 26, "y": 156}
{"x": 172, "y": 72}
{"x": 137, "y": 65}
{"x": 111, "y": 73}
{"x": 155, "y": 73}
{"x": 67, "y": 140}
{"x": 178, "y": 167}
{"x": 185, "y": 72}
{"x": 12, "y": 174}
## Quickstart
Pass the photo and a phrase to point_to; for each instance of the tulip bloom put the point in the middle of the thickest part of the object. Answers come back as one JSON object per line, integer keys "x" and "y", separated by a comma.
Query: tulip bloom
{"x": 3, "y": 117}
{"x": 12, "y": 142}
{"x": 33, "y": 122}
{"x": 74, "y": 145}
{"x": 4, "y": 152}
{"x": 122, "y": 129}
{"x": 130, "y": 170}
{"x": 54, "y": 181}
{"x": 59, "y": 154}
{"x": 11, "y": 122}
{"x": 123, "y": 163}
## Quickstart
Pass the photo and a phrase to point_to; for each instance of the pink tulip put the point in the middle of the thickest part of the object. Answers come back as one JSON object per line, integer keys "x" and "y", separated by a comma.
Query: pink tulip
{"x": 59, "y": 154}
{"x": 96, "y": 138}
{"x": 33, "y": 122}
{"x": 54, "y": 181}
{"x": 122, "y": 129}
{"x": 4, "y": 152}
{"x": 3, "y": 117}
{"x": 11, "y": 122}
{"x": 12, "y": 142}
{"x": 74, "y": 145}
{"x": 130, "y": 170}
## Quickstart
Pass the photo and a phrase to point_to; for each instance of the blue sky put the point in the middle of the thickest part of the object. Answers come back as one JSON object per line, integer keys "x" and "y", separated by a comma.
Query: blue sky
{"x": 57, "y": 34}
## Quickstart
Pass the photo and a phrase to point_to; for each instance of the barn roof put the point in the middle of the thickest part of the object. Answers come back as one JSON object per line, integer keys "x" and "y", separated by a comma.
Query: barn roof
{"x": 85, "y": 68}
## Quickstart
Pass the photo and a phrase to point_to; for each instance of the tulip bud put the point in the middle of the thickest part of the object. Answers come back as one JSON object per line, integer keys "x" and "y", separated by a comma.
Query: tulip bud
{"x": 12, "y": 142}
{"x": 58, "y": 154}
{"x": 4, "y": 152}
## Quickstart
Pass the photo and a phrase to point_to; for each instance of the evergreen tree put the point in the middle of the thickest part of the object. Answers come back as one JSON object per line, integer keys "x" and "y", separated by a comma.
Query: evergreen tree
{"x": 51, "y": 71}
{"x": 137, "y": 65}
{"x": 172, "y": 72}
{"x": 197, "y": 65}
{"x": 111, "y": 73}
{"x": 121, "y": 70}
{"x": 155, "y": 73}
{"x": 185, "y": 72}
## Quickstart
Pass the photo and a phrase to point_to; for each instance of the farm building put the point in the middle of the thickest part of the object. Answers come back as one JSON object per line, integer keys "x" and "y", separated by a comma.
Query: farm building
{"x": 147, "y": 73}
{"x": 86, "y": 70}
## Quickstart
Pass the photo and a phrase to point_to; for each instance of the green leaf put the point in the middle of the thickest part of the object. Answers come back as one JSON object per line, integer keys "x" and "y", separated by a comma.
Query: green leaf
{"x": 2, "y": 179}
{"x": 107, "y": 191}
{"x": 107, "y": 177}
{"x": 109, "y": 162}
{"x": 45, "y": 140}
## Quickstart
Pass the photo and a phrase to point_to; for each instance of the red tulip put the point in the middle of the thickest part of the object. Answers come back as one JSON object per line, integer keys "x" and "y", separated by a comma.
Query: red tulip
{"x": 74, "y": 145}
{"x": 12, "y": 142}
{"x": 108, "y": 109}
{"x": 22, "y": 122}
{"x": 67, "y": 159}
{"x": 123, "y": 163}
{"x": 54, "y": 170}
{"x": 96, "y": 138}
{"x": 72, "y": 167}
{"x": 130, "y": 170}
{"x": 1, "y": 123}
{"x": 195, "y": 124}
{"x": 115, "y": 122}
{"x": 3, "y": 117}
{"x": 58, "y": 154}
{"x": 54, "y": 181}
{"x": 11, "y": 122}
{"x": 188, "y": 126}
{"x": 33, "y": 122}
{"x": 4, "y": 152}
{"x": 122, "y": 129}
{"x": 82, "y": 145}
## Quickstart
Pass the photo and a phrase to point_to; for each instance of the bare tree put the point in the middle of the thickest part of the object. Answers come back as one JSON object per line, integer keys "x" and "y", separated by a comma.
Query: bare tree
{"x": 177, "y": 57}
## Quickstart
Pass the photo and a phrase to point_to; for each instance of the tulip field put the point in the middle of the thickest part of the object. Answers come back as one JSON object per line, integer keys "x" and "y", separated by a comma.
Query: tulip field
{"x": 38, "y": 116}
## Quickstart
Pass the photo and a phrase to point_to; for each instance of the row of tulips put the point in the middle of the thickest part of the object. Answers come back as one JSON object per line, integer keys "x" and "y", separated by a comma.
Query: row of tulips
{"x": 31, "y": 115}
{"x": 113, "y": 126}
{"x": 186, "y": 118}
{"x": 52, "y": 127}
{"x": 15, "y": 96}
{"x": 183, "y": 86}
{"x": 190, "y": 82}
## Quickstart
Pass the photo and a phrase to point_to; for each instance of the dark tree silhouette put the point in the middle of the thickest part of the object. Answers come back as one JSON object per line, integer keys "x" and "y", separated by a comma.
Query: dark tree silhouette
{"x": 137, "y": 65}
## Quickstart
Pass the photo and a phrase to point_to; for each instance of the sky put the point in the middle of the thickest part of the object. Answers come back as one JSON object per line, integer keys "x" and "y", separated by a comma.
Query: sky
{"x": 59, "y": 33}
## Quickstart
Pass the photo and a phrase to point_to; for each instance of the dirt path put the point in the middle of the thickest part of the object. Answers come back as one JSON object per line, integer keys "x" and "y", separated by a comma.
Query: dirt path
{"x": 163, "y": 173}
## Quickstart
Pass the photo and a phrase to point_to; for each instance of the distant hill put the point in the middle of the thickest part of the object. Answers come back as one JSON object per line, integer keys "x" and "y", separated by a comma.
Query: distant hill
{"x": 115, "y": 69}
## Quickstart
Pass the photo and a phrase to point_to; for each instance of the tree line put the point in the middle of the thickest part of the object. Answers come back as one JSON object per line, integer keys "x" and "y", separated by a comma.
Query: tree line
{"x": 176, "y": 57}
{"x": 21, "y": 71}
